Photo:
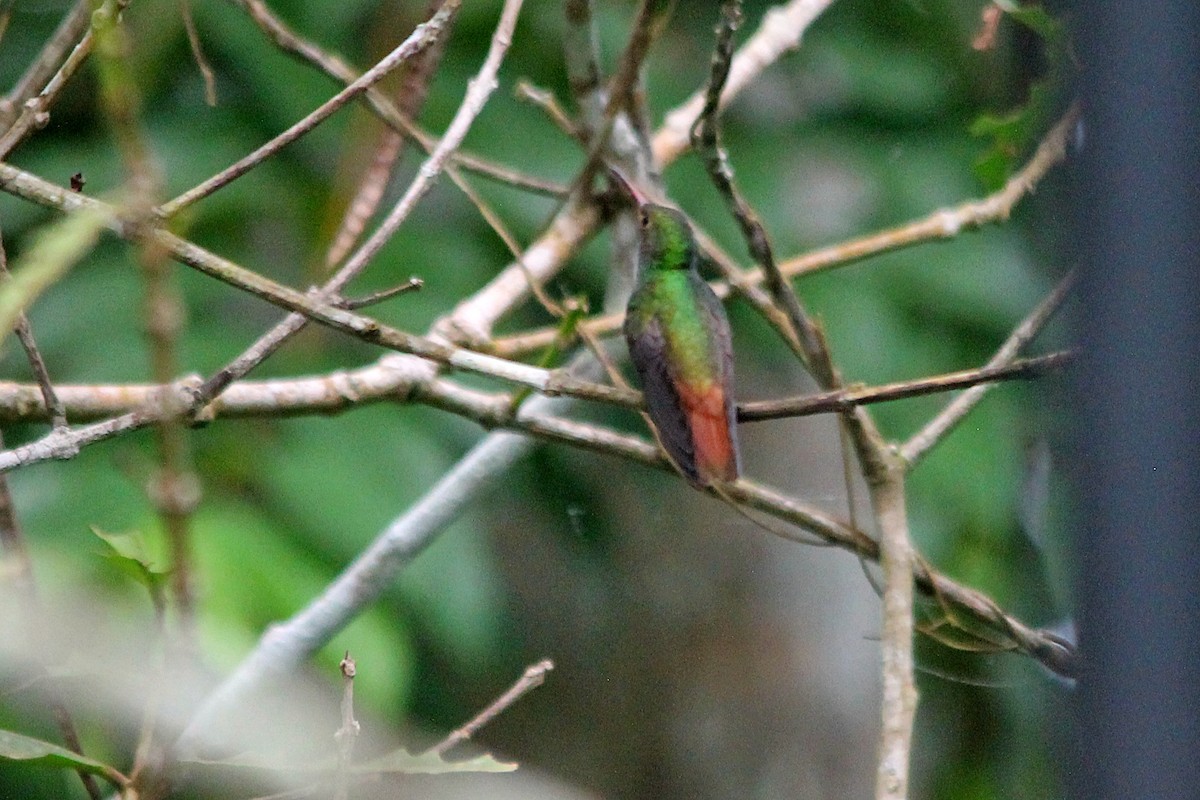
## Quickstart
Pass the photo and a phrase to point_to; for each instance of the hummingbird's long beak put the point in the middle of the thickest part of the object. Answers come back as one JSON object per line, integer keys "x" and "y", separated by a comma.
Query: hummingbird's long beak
{"x": 627, "y": 186}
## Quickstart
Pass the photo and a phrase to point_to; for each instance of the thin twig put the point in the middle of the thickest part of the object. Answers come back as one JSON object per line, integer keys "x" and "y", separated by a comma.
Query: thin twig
{"x": 706, "y": 141}
{"x": 946, "y": 223}
{"x": 347, "y": 734}
{"x": 533, "y": 677}
{"x": 844, "y": 399}
{"x": 473, "y": 319}
{"x": 24, "y": 331}
{"x": 416, "y": 76}
{"x": 58, "y": 414}
{"x": 412, "y": 284}
{"x": 193, "y": 36}
{"x": 293, "y": 44}
{"x": 545, "y": 100}
{"x": 65, "y": 37}
{"x": 420, "y": 38}
{"x": 943, "y": 423}
{"x": 780, "y": 31}
{"x": 941, "y": 224}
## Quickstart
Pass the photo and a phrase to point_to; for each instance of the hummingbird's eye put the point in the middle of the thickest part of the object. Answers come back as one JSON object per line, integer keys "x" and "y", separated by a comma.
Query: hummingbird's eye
{"x": 643, "y": 218}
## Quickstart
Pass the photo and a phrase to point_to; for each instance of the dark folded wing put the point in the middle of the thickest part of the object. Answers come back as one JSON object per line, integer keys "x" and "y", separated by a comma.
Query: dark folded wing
{"x": 647, "y": 348}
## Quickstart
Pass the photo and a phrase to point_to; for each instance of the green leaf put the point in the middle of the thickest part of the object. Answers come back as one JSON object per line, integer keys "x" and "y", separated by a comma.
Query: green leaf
{"x": 129, "y": 553}
{"x": 396, "y": 762}
{"x": 54, "y": 251}
{"x": 1038, "y": 19}
{"x": 1014, "y": 133}
{"x": 16, "y": 747}
{"x": 401, "y": 761}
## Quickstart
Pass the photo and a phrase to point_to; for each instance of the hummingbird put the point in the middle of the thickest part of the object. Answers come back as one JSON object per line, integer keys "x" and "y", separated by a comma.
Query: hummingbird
{"x": 679, "y": 342}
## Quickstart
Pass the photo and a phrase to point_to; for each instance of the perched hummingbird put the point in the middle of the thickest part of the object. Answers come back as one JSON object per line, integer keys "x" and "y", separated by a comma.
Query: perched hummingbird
{"x": 679, "y": 341}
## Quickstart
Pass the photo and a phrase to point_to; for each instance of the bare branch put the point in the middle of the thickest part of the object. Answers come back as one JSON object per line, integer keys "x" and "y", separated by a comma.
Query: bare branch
{"x": 706, "y": 140}
{"x": 24, "y": 331}
{"x": 941, "y": 224}
{"x": 943, "y": 423}
{"x": 355, "y": 303}
{"x": 845, "y": 399}
{"x": 545, "y": 100}
{"x": 206, "y": 70}
{"x": 288, "y": 41}
{"x": 382, "y": 382}
{"x": 533, "y": 677}
{"x": 410, "y": 97}
{"x": 947, "y": 223}
{"x": 477, "y": 93}
{"x": 473, "y": 319}
{"x": 780, "y": 31}
{"x": 899, "y": 706}
{"x": 420, "y": 38}
{"x": 65, "y": 37}
{"x": 35, "y": 111}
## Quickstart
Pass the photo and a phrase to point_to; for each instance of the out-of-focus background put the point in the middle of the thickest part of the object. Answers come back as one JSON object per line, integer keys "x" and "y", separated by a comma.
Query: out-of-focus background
{"x": 697, "y": 656}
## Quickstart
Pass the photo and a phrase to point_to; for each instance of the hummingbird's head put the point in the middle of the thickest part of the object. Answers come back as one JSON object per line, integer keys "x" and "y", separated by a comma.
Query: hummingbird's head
{"x": 665, "y": 239}
{"x": 664, "y": 236}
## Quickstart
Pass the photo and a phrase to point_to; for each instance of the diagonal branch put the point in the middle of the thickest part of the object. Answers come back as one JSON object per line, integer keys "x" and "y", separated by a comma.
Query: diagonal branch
{"x": 946, "y": 223}
{"x": 474, "y": 318}
{"x": 291, "y": 43}
{"x": 389, "y": 147}
{"x": 706, "y": 141}
{"x": 940, "y": 224}
{"x": 845, "y": 399}
{"x": 533, "y": 677}
{"x": 923, "y": 441}
{"x": 302, "y": 304}
{"x": 781, "y": 29}
{"x": 421, "y": 38}
{"x": 65, "y": 37}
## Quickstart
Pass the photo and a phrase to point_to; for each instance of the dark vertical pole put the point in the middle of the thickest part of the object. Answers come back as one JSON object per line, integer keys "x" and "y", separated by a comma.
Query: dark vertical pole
{"x": 1137, "y": 240}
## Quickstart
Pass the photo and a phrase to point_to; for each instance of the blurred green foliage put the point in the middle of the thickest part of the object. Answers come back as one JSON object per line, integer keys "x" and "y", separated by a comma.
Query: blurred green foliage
{"x": 867, "y": 125}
